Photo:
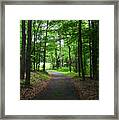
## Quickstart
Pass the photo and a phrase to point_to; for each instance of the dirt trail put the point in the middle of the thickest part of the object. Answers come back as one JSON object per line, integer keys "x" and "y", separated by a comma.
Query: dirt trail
{"x": 59, "y": 88}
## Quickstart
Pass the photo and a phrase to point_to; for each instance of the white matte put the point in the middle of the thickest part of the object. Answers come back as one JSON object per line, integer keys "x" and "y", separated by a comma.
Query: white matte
{"x": 13, "y": 104}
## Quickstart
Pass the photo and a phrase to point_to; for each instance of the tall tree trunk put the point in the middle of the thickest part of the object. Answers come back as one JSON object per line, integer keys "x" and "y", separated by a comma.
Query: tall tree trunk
{"x": 76, "y": 64}
{"x": 60, "y": 55}
{"x": 90, "y": 48}
{"x": 56, "y": 61}
{"x": 44, "y": 60}
{"x": 80, "y": 40}
{"x": 76, "y": 58}
{"x": 39, "y": 53}
{"x": 34, "y": 46}
{"x": 93, "y": 50}
{"x": 84, "y": 56}
{"x": 97, "y": 28}
{"x": 62, "y": 60}
{"x": 79, "y": 37}
{"x": 35, "y": 40}
{"x": 69, "y": 58}
{"x": 37, "y": 61}
{"x": 95, "y": 53}
{"x": 28, "y": 53}
{"x": 96, "y": 50}
{"x": 22, "y": 59}
{"x": 39, "y": 56}
{"x": 44, "y": 56}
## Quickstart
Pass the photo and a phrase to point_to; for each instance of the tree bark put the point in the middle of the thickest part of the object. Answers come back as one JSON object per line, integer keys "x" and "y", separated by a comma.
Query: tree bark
{"x": 80, "y": 40}
{"x": 84, "y": 56}
{"x": 97, "y": 49}
{"x": 76, "y": 58}
{"x": 44, "y": 60}
{"x": 39, "y": 56}
{"x": 60, "y": 55}
{"x": 22, "y": 59}
{"x": 95, "y": 53}
{"x": 34, "y": 45}
{"x": 90, "y": 48}
{"x": 62, "y": 60}
{"x": 28, "y": 53}
{"x": 79, "y": 37}
{"x": 69, "y": 58}
{"x": 93, "y": 50}
{"x": 56, "y": 61}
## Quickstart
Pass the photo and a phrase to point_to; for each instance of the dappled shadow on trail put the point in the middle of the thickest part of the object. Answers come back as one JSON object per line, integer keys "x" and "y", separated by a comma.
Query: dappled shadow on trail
{"x": 60, "y": 87}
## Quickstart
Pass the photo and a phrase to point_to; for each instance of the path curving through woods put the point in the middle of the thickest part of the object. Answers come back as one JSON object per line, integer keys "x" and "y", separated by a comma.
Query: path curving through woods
{"x": 60, "y": 87}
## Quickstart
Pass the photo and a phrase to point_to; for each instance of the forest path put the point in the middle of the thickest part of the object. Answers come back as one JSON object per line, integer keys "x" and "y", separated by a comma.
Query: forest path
{"x": 60, "y": 87}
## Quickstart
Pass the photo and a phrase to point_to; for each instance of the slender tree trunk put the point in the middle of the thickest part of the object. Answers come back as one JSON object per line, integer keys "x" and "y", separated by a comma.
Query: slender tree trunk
{"x": 39, "y": 53}
{"x": 80, "y": 40}
{"x": 44, "y": 60}
{"x": 93, "y": 50}
{"x": 39, "y": 56}
{"x": 76, "y": 58}
{"x": 34, "y": 49}
{"x": 22, "y": 59}
{"x": 60, "y": 56}
{"x": 79, "y": 37}
{"x": 90, "y": 49}
{"x": 69, "y": 58}
{"x": 95, "y": 53}
{"x": 35, "y": 40}
{"x": 96, "y": 50}
{"x": 76, "y": 65}
{"x": 37, "y": 61}
{"x": 56, "y": 58}
{"x": 62, "y": 60}
{"x": 84, "y": 56}
{"x": 28, "y": 53}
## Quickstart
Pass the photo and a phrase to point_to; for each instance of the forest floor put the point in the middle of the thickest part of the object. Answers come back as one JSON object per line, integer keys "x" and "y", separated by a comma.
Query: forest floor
{"x": 58, "y": 86}
{"x": 87, "y": 89}
{"x": 38, "y": 83}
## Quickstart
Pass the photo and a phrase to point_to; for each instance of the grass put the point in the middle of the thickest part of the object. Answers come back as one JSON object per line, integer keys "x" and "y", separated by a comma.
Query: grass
{"x": 35, "y": 78}
{"x": 65, "y": 72}
{"x": 70, "y": 74}
{"x": 38, "y": 76}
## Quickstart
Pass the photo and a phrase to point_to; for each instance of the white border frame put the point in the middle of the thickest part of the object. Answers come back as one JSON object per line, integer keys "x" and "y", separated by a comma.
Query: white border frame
{"x": 116, "y": 58}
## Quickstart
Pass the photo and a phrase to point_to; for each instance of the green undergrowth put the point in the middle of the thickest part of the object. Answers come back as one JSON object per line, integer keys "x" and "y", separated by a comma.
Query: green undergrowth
{"x": 35, "y": 78}
{"x": 66, "y": 73}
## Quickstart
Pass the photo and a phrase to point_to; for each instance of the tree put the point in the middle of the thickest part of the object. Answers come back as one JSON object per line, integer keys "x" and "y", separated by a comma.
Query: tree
{"x": 28, "y": 53}
{"x": 69, "y": 45}
{"x": 69, "y": 58}
{"x": 23, "y": 50}
{"x": 90, "y": 48}
{"x": 95, "y": 47}
{"x": 80, "y": 50}
{"x": 45, "y": 41}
